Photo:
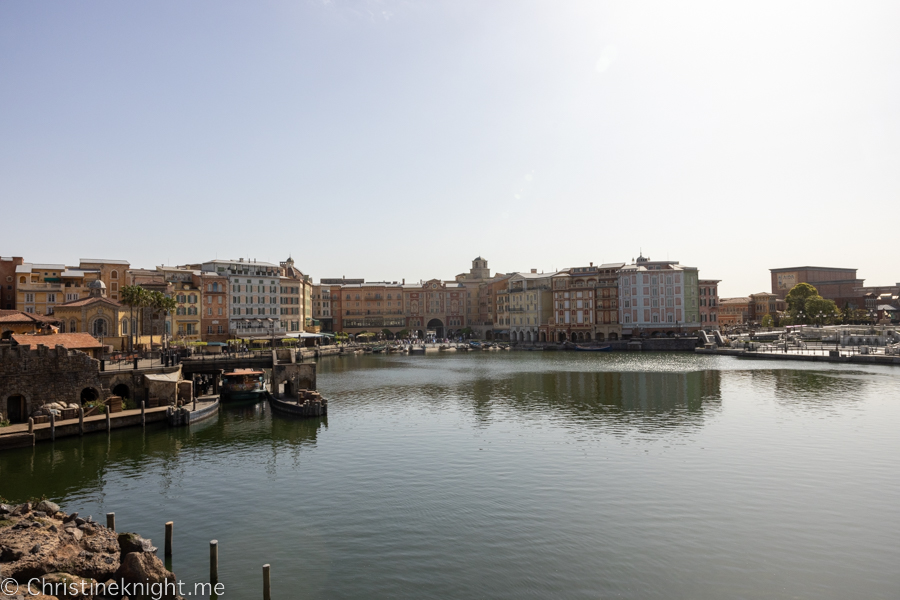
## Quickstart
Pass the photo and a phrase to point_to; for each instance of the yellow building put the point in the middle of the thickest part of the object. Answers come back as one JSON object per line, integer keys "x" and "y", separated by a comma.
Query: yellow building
{"x": 188, "y": 295}
{"x": 104, "y": 318}
{"x": 111, "y": 272}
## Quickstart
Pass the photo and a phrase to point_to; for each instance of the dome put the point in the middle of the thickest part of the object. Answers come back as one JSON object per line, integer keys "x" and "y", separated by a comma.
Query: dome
{"x": 96, "y": 285}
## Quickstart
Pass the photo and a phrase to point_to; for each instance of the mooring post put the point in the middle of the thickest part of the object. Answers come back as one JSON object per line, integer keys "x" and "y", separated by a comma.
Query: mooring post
{"x": 52, "y": 427}
{"x": 108, "y": 420}
{"x": 111, "y": 521}
{"x": 143, "y": 414}
{"x": 30, "y": 425}
{"x": 267, "y": 590}
{"x": 170, "y": 525}
{"x": 214, "y": 561}
{"x": 80, "y": 420}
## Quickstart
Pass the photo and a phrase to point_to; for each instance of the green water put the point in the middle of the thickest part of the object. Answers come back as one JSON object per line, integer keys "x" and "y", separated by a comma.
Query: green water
{"x": 520, "y": 475}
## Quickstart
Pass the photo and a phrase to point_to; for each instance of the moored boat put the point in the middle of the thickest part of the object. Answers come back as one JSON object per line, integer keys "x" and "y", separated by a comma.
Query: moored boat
{"x": 243, "y": 384}
{"x": 308, "y": 403}
{"x": 594, "y": 349}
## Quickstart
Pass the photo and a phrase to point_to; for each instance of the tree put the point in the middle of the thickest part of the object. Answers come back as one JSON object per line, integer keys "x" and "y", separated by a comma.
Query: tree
{"x": 797, "y": 297}
{"x": 386, "y": 333}
{"x": 134, "y": 296}
{"x": 160, "y": 303}
{"x": 767, "y": 321}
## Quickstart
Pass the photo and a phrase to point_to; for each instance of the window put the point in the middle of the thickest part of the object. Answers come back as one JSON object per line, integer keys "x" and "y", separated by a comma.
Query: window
{"x": 124, "y": 326}
{"x": 114, "y": 274}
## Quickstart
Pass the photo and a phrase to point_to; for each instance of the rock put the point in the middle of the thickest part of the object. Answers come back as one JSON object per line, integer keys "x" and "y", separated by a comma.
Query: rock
{"x": 143, "y": 567}
{"x": 22, "y": 509}
{"x": 39, "y": 513}
{"x": 33, "y": 549}
{"x": 80, "y": 521}
{"x": 57, "y": 582}
{"x": 5, "y": 509}
{"x": 132, "y": 542}
{"x": 51, "y": 508}
{"x": 71, "y": 517}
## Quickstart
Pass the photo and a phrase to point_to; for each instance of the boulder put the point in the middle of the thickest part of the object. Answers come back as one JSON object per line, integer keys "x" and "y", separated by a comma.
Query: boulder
{"x": 132, "y": 542}
{"x": 51, "y": 508}
{"x": 147, "y": 568}
{"x": 62, "y": 584}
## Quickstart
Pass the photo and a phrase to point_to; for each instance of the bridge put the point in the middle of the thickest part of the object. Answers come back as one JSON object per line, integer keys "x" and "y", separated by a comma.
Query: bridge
{"x": 286, "y": 365}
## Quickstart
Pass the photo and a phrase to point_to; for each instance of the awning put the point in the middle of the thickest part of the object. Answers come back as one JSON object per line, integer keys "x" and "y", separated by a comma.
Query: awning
{"x": 306, "y": 335}
{"x": 162, "y": 376}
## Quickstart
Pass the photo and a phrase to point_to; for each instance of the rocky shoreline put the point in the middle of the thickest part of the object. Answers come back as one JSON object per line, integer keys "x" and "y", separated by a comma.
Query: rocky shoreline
{"x": 56, "y": 551}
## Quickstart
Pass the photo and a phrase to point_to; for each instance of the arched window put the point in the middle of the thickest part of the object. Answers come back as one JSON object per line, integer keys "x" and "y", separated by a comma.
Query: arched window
{"x": 124, "y": 326}
{"x": 99, "y": 328}
{"x": 22, "y": 280}
{"x": 62, "y": 327}
{"x": 72, "y": 326}
{"x": 114, "y": 274}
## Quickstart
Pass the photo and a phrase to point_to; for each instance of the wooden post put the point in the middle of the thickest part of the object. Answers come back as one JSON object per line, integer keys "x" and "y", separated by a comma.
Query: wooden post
{"x": 143, "y": 414}
{"x": 267, "y": 589}
{"x": 30, "y": 425}
{"x": 80, "y": 420}
{"x": 52, "y": 427}
{"x": 111, "y": 521}
{"x": 170, "y": 525}
{"x": 214, "y": 561}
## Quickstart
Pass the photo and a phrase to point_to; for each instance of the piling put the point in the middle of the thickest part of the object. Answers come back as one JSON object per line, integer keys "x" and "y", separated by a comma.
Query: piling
{"x": 108, "y": 421}
{"x": 170, "y": 525}
{"x": 214, "y": 561}
{"x": 52, "y": 427}
{"x": 143, "y": 414}
{"x": 30, "y": 425}
{"x": 80, "y": 420}
{"x": 267, "y": 589}
{"x": 111, "y": 521}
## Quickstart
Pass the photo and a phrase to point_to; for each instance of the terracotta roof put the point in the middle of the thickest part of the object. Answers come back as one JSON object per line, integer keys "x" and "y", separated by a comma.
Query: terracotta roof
{"x": 16, "y": 316}
{"x": 86, "y": 301}
{"x": 72, "y": 341}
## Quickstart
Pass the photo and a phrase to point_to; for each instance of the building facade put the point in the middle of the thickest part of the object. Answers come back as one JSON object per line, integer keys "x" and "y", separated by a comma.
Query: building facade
{"x": 734, "y": 312}
{"x": 658, "y": 298}
{"x": 254, "y": 296}
{"x": 709, "y": 304}
{"x": 840, "y": 285}
{"x": 8, "y": 281}
{"x": 214, "y": 308}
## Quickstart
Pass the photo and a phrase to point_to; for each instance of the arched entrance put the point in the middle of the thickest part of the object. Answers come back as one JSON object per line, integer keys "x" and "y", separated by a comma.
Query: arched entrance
{"x": 288, "y": 389}
{"x": 99, "y": 328}
{"x": 89, "y": 395}
{"x": 15, "y": 409}
{"x": 600, "y": 337}
{"x": 613, "y": 336}
{"x": 543, "y": 337}
{"x": 120, "y": 390}
{"x": 437, "y": 326}
{"x": 561, "y": 337}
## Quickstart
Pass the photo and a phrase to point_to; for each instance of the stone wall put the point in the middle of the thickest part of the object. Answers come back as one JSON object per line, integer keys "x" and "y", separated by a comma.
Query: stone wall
{"x": 45, "y": 375}
{"x": 301, "y": 376}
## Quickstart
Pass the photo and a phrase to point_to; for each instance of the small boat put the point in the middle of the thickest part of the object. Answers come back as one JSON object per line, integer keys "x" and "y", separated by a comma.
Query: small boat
{"x": 378, "y": 349}
{"x": 243, "y": 384}
{"x": 308, "y": 404}
{"x": 594, "y": 349}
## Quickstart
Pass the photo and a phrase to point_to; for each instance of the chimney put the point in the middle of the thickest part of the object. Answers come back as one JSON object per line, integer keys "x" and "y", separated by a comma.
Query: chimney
{"x": 534, "y": 270}
{"x": 592, "y": 263}
{"x": 404, "y": 281}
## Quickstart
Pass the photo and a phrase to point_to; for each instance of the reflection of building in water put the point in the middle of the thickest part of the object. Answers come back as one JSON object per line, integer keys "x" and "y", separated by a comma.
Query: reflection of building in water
{"x": 821, "y": 388}
{"x": 669, "y": 397}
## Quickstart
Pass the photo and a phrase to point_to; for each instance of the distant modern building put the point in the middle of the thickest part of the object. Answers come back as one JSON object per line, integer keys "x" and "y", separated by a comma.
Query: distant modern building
{"x": 840, "y": 285}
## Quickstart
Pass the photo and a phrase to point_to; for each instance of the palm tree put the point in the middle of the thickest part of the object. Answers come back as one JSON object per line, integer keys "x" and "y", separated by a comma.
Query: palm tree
{"x": 159, "y": 302}
{"x": 134, "y": 296}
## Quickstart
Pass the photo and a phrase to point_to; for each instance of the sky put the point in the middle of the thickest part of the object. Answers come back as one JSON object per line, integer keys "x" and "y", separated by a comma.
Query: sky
{"x": 397, "y": 139}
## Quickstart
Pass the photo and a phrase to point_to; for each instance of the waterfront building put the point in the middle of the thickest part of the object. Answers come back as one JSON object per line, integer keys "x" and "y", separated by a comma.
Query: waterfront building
{"x": 102, "y": 317}
{"x": 478, "y": 305}
{"x": 765, "y": 303}
{"x": 435, "y": 307}
{"x": 658, "y": 298}
{"x": 607, "y": 325}
{"x": 530, "y": 305}
{"x": 292, "y": 298}
{"x": 39, "y": 287}
{"x": 254, "y": 294}
{"x": 840, "y": 285}
{"x": 321, "y": 307}
{"x": 8, "y": 281}
{"x": 156, "y": 325}
{"x": 573, "y": 313}
{"x": 372, "y": 307}
{"x": 214, "y": 308}
{"x": 709, "y": 303}
{"x": 734, "y": 311}
{"x": 187, "y": 292}
{"x": 498, "y": 296}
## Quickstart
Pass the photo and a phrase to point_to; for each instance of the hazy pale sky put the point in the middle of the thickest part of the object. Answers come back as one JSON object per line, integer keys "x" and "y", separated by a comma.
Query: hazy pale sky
{"x": 391, "y": 139}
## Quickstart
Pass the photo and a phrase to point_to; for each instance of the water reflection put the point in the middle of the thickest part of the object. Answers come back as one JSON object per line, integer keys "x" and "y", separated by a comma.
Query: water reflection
{"x": 81, "y": 465}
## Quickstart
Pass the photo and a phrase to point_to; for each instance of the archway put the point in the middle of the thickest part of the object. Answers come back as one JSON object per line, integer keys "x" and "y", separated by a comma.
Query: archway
{"x": 529, "y": 337}
{"x": 120, "y": 390}
{"x": 437, "y": 326}
{"x": 288, "y": 389}
{"x": 543, "y": 337}
{"x": 99, "y": 328}
{"x": 561, "y": 337}
{"x": 613, "y": 336}
{"x": 15, "y": 409}
{"x": 489, "y": 335}
{"x": 587, "y": 336}
{"x": 89, "y": 395}
{"x": 600, "y": 337}
{"x": 580, "y": 336}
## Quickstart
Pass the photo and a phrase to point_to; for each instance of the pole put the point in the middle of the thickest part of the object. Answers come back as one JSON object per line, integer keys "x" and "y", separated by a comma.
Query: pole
{"x": 170, "y": 525}
{"x": 80, "y": 420}
{"x": 52, "y": 427}
{"x": 143, "y": 414}
{"x": 108, "y": 420}
{"x": 111, "y": 521}
{"x": 267, "y": 589}
{"x": 214, "y": 561}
